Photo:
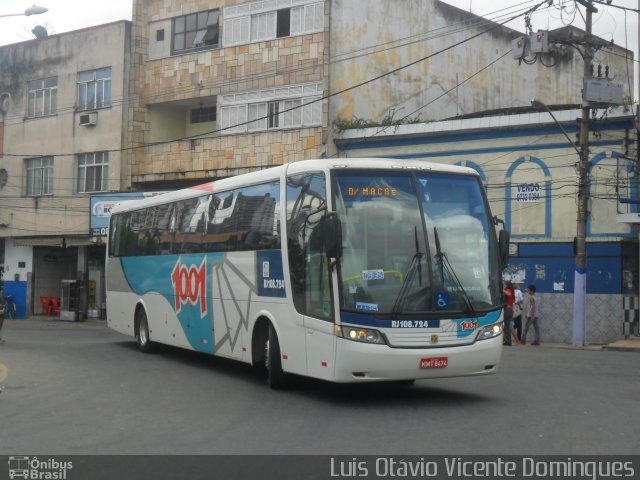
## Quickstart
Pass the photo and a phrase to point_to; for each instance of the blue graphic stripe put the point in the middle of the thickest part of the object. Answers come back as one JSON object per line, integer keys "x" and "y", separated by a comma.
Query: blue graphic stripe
{"x": 190, "y": 298}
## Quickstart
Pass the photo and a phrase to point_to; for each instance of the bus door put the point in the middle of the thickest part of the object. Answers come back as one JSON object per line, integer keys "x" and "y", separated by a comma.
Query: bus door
{"x": 309, "y": 269}
{"x": 318, "y": 318}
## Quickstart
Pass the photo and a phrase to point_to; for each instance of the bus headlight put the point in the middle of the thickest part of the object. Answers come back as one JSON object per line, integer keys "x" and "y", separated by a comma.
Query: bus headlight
{"x": 490, "y": 331}
{"x": 365, "y": 335}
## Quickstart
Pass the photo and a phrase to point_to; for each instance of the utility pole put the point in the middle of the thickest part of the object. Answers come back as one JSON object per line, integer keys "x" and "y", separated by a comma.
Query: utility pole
{"x": 596, "y": 93}
{"x": 580, "y": 276}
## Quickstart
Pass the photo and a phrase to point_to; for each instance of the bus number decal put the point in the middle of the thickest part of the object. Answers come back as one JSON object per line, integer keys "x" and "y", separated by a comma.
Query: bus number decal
{"x": 270, "y": 275}
{"x": 190, "y": 285}
{"x": 414, "y": 324}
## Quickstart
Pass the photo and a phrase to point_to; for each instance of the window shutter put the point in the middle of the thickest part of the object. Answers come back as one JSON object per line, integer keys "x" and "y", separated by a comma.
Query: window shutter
{"x": 296, "y": 20}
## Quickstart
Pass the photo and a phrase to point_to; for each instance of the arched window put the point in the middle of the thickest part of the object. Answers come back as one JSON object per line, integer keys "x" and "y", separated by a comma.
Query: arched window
{"x": 528, "y": 198}
{"x": 477, "y": 168}
{"x": 610, "y": 177}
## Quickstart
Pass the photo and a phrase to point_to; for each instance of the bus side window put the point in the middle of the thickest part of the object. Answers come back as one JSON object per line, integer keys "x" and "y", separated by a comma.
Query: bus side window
{"x": 220, "y": 226}
{"x": 191, "y": 224}
{"x": 114, "y": 236}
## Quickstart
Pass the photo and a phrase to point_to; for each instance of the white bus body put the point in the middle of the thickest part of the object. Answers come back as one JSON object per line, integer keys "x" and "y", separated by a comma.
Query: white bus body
{"x": 343, "y": 270}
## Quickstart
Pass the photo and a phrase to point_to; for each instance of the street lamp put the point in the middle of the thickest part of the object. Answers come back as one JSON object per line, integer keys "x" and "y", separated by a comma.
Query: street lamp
{"x": 34, "y": 10}
{"x": 538, "y": 105}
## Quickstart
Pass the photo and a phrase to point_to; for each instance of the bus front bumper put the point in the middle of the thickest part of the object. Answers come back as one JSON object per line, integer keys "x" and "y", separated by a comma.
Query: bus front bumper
{"x": 362, "y": 362}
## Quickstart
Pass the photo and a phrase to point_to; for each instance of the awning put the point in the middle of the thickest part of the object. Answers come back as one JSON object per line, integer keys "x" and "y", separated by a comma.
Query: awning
{"x": 628, "y": 218}
{"x": 57, "y": 241}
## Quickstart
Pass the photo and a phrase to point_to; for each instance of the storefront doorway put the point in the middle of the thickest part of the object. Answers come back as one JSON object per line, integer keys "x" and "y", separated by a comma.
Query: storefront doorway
{"x": 52, "y": 265}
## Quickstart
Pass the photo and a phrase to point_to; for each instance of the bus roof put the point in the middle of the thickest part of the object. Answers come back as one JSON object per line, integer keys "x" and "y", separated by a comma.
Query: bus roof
{"x": 293, "y": 168}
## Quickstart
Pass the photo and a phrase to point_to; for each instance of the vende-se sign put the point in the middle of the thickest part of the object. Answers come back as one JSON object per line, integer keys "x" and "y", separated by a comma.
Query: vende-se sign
{"x": 528, "y": 192}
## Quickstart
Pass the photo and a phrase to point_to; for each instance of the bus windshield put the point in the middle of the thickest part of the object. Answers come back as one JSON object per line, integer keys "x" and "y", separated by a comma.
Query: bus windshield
{"x": 416, "y": 243}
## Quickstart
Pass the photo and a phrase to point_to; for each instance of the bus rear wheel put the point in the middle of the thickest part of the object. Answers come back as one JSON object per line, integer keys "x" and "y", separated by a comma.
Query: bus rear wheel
{"x": 276, "y": 378}
{"x": 142, "y": 332}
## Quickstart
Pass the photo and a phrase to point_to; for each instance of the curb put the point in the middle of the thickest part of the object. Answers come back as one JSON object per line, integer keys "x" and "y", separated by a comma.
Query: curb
{"x": 614, "y": 348}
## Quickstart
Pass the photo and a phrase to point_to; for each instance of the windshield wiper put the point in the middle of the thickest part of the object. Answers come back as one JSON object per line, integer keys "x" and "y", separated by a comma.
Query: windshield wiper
{"x": 415, "y": 266}
{"x": 446, "y": 265}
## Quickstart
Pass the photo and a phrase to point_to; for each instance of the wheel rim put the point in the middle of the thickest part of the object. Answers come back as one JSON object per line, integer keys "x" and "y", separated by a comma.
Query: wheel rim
{"x": 266, "y": 354}
{"x": 143, "y": 333}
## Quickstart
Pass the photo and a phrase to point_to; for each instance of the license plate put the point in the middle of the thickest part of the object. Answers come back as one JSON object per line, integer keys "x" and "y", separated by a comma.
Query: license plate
{"x": 435, "y": 362}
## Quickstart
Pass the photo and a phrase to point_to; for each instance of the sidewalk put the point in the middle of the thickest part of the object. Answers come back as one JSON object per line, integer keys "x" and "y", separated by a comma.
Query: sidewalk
{"x": 631, "y": 345}
{"x": 47, "y": 320}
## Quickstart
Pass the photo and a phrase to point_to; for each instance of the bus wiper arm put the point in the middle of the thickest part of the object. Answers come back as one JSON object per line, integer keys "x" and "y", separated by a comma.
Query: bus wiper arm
{"x": 415, "y": 266}
{"x": 446, "y": 265}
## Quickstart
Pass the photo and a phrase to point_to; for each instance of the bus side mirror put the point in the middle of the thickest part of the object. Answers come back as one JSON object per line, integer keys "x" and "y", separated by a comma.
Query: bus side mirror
{"x": 503, "y": 247}
{"x": 331, "y": 230}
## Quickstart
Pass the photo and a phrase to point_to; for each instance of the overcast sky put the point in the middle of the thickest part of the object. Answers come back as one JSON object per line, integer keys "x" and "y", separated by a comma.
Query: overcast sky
{"x": 67, "y": 15}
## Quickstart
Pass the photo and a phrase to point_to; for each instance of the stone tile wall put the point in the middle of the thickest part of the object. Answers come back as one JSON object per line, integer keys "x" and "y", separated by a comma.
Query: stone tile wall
{"x": 605, "y": 318}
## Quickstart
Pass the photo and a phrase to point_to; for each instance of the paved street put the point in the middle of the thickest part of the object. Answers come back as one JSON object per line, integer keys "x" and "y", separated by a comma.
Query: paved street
{"x": 81, "y": 388}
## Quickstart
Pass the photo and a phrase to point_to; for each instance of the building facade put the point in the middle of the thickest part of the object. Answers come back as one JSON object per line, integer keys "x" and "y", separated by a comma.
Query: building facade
{"x": 228, "y": 86}
{"x": 221, "y": 88}
{"x": 528, "y": 168}
{"x": 199, "y": 90}
{"x": 64, "y": 114}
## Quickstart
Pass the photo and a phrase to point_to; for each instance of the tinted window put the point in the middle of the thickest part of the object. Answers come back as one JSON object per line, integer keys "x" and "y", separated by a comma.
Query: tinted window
{"x": 309, "y": 270}
{"x": 247, "y": 218}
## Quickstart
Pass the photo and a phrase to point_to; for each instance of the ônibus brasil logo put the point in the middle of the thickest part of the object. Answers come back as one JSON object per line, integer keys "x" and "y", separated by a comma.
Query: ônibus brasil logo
{"x": 190, "y": 285}
{"x": 36, "y": 469}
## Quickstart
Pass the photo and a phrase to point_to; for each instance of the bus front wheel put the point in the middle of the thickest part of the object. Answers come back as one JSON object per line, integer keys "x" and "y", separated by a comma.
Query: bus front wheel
{"x": 276, "y": 378}
{"x": 142, "y": 332}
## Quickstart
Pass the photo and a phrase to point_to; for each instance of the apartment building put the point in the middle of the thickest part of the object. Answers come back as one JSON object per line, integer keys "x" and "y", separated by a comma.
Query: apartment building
{"x": 222, "y": 88}
{"x": 64, "y": 108}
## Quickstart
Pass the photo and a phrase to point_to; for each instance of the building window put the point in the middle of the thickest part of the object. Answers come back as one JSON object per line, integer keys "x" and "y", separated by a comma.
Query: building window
{"x": 307, "y": 18}
{"x": 94, "y": 89}
{"x": 233, "y": 119}
{"x": 39, "y": 176}
{"x": 260, "y": 21}
{"x": 196, "y": 31}
{"x": 283, "y": 28}
{"x": 42, "y": 97}
{"x": 203, "y": 114}
{"x": 297, "y": 106}
{"x": 160, "y": 35}
{"x": 93, "y": 172}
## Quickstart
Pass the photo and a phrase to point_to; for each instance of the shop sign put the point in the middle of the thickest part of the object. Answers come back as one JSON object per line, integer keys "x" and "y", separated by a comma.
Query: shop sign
{"x": 101, "y": 205}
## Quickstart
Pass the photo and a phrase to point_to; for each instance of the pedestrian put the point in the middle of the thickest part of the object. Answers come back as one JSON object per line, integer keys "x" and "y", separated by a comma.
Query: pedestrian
{"x": 518, "y": 305}
{"x": 532, "y": 305}
{"x": 509, "y": 298}
{"x": 1, "y": 312}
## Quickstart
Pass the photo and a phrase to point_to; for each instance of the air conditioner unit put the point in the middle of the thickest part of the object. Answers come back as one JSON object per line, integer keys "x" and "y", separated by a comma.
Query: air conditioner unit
{"x": 87, "y": 119}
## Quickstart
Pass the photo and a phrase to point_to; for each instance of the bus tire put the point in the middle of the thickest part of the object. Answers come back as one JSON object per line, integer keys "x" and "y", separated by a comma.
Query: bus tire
{"x": 276, "y": 378}
{"x": 142, "y": 332}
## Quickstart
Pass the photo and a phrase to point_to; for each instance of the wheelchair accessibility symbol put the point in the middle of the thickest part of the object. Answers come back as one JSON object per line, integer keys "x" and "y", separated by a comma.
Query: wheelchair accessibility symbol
{"x": 442, "y": 300}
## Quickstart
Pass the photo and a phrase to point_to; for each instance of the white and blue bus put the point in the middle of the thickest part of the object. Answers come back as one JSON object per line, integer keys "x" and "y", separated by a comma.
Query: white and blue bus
{"x": 356, "y": 270}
